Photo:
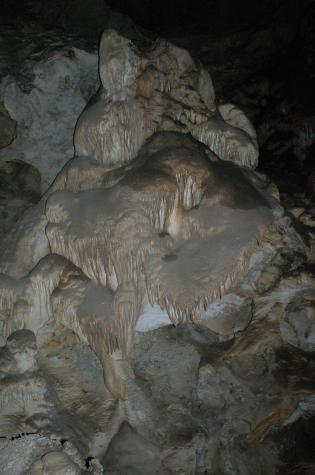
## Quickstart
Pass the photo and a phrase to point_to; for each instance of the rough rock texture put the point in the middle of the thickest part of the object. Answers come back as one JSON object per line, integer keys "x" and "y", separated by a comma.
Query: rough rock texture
{"x": 132, "y": 454}
{"x": 157, "y": 304}
{"x": 42, "y": 97}
{"x": 174, "y": 207}
{"x": 41, "y": 456}
{"x": 7, "y": 127}
{"x": 161, "y": 89}
{"x": 56, "y": 92}
{"x": 20, "y": 189}
{"x": 45, "y": 82}
{"x": 267, "y": 69}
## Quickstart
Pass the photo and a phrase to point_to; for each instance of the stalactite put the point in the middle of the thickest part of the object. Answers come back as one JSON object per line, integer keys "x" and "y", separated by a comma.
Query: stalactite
{"x": 142, "y": 213}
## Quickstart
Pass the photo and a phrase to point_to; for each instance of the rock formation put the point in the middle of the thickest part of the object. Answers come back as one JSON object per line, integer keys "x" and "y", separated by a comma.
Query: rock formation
{"x": 158, "y": 221}
{"x": 158, "y": 90}
{"x": 56, "y": 92}
{"x": 143, "y": 229}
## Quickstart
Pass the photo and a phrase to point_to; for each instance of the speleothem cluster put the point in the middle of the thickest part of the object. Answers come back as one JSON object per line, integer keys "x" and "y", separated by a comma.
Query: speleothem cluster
{"x": 158, "y": 208}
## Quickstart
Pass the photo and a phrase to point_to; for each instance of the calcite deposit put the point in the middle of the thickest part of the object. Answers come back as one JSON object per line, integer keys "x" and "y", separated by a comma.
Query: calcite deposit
{"x": 165, "y": 222}
{"x": 159, "y": 89}
{"x": 133, "y": 295}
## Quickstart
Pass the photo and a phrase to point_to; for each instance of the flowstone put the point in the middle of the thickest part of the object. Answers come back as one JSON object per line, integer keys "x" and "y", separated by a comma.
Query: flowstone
{"x": 158, "y": 215}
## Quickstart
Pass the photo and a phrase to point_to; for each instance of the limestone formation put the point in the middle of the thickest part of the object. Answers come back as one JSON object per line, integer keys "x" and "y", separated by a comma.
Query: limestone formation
{"x": 146, "y": 242}
{"x": 150, "y": 247}
{"x": 161, "y": 89}
{"x": 40, "y": 114}
{"x": 151, "y": 212}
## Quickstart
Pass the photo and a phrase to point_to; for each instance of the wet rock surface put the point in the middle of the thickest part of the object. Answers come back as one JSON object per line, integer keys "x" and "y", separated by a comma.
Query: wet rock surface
{"x": 231, "y": 392}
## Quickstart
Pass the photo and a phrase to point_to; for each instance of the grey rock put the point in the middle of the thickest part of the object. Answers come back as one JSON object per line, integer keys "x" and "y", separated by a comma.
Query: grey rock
{"x": 46, "y": 115}
{"x": 19, "y": 181}
{"x": 7, "y": 128}
{"x": 227, "y": 316}
{"x": 31, "y": 446}
{"x": 130, "y": 454}
{"x": 10, "y": 212}
{"x": 19, "y": 189}
{"x": 54, "y": 463}
{"x": 154, "y": 364}
{"x": 298, "y": 325}
{"x": 205, "y": 396}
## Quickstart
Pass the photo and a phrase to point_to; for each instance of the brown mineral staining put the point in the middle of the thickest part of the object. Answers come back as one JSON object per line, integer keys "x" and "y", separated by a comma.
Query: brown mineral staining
{"x": 161, "y": 89}
{"x": 144, "y": 213}
{"x": 210, "y": 215}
